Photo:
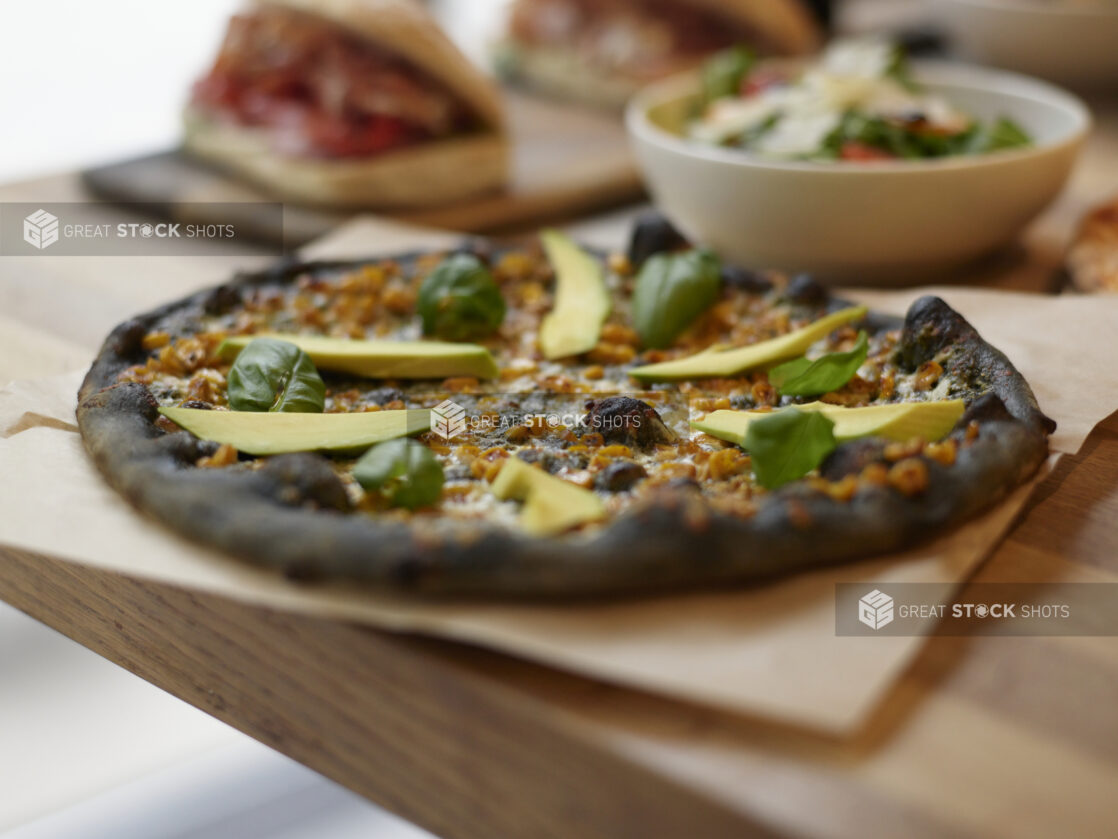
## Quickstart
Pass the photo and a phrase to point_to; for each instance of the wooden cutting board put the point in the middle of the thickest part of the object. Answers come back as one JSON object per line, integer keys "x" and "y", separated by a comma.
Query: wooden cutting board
{"x": 567, "y": 161}
{"x": 982, "y": 737}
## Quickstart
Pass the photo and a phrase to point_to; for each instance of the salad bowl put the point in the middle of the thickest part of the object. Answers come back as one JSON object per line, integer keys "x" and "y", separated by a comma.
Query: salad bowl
{"x": 885, "y": 222}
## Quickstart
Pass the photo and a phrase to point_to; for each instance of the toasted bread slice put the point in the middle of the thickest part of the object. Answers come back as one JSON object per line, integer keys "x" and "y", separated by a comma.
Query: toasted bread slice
{"x": 1093, "y": 257}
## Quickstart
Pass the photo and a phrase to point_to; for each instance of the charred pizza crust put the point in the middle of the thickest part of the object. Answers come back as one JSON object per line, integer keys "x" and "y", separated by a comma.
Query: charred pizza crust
{"x": 292, "y": 513}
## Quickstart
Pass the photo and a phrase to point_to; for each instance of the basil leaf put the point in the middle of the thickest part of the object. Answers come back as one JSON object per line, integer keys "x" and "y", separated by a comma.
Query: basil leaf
{"x": 271, "y": 375}
{"x": 672, "y": 290}
{"x": 460, "y": 301}
{"x": 405, "y": 472}
{"x": 724, "y": 72}
{"x": 803, "y": 377}
{"x": 788, "y": 445}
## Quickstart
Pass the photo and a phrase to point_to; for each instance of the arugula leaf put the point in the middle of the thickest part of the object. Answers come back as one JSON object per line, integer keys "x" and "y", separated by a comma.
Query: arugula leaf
{"x": 899, "y": 70}
{"x": 914, "y": 143}
{"x": 788, "y": 445}
{"x": 998, "y": 136}
{"x": 751, "y": 135}
{"x": 870, "y": 131}
{"x": 723, "y": 73}
{"x": 804, "y": 377}
{"x": 671, "y": 291}
{"x": 272, "y": 375}
{"x": 1007, "y": 134}
{"x": 945, "y": 145}
{"x": 405, "y": 472}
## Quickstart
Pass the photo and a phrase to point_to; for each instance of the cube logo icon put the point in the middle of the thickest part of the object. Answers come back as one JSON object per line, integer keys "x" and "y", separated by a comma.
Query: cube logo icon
{"x": 875, "y": 610}
{"x": 448, "y": 419}
{"x": 40, "y": 229}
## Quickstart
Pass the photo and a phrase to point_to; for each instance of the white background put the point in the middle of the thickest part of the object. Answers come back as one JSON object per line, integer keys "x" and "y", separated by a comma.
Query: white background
{"x": 88, "y": 81}
{"x": 97, "y": 80}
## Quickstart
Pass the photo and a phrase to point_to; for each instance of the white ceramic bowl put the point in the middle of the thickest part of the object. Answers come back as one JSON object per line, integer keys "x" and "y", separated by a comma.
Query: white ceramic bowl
{"x": 1073, "y": 43}
{"x": 882, "y": 223}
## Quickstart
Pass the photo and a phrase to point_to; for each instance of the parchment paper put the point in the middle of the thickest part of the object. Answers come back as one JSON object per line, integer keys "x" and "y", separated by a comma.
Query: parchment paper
{"x": 769, "y": 651}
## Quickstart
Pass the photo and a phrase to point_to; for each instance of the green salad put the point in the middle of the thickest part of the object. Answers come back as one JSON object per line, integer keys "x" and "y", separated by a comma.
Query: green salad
{"x": 858, "y": 102}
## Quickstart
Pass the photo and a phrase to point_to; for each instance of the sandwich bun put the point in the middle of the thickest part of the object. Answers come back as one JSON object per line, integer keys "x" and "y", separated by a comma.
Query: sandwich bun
{"x": 434, "y": 172}
{"x": 780, "y": 27}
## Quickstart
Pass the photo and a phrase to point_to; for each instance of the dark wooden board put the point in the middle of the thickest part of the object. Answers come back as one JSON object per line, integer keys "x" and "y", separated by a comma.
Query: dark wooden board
{"x": 567, "y": 161}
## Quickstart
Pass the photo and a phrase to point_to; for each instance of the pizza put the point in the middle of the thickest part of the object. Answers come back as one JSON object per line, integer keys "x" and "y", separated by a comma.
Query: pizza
{"x": 546, "y": 420}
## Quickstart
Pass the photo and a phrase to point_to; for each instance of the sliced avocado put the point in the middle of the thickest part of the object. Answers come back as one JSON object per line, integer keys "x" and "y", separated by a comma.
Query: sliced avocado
{"x": 720, "y": 364}
{"x": 551, "y": 505}
{"x": 382, "y": 359}
{"x": 275, "y": 433}
{"x": 902, "y": 421}
{"x": 582, "y": 301}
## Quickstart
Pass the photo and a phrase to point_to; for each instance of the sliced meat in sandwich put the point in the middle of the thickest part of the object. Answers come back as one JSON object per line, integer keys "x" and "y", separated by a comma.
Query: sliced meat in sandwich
{"x": 349, "y": 103}
{"x": 603, "y": 51}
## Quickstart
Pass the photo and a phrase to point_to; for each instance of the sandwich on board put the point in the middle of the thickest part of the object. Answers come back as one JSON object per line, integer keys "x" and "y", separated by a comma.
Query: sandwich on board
{"x": 603, "y": 51}
{"x": 349, "y": 103}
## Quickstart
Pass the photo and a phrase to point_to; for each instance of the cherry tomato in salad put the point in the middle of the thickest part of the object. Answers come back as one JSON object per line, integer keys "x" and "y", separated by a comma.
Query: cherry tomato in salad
{"x": 761, "y": 80}
{"x": 857, "y": 152}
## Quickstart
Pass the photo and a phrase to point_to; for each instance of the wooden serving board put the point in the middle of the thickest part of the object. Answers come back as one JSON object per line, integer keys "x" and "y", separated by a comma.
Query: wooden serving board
{"x": 982, "y": 737}
{"x": 566, "y": 161}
